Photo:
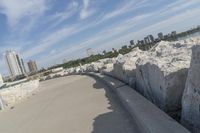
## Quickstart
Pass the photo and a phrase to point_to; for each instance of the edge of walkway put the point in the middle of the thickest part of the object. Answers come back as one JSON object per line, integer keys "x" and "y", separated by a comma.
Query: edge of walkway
{"x": 149, "y": 118}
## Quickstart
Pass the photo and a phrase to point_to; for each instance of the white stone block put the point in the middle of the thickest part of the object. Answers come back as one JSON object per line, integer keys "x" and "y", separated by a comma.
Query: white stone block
{"x": 161, "y": 74}
{"x": 191, "y": 96}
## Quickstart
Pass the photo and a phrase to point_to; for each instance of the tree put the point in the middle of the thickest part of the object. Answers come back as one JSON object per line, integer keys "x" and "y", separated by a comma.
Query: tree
{"x": 104, "y": 52}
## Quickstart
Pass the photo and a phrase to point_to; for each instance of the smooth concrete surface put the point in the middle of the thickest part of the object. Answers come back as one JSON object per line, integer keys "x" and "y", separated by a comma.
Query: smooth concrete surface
{"x": 148, "y": 117}
{"x": 73, "y": 104}
{"x": 108, "y": 80}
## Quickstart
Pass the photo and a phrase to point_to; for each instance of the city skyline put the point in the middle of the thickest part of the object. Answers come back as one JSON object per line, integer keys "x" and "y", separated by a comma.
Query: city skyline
{"x": 72, "y": 27}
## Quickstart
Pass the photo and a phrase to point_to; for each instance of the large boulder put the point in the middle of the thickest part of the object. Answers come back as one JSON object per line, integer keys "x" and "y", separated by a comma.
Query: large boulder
{"x": 108, "y": 61}
{"x": 124, "y": 68}
{"x": 129, "y": 67}
{"x": 96, "y": 66}
{"x": 70, "y": 71}
{"x": 118, "y": 67}
{"x": 161, "y": 74}
{"x": 107, "y": 68}
{"x": 191, "y": 96}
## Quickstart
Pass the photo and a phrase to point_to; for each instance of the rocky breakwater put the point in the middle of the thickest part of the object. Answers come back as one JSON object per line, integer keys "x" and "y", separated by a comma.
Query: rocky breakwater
{"x": 107, "y": 69}
{"x": 97, "y": 66}
{"x": 10, "y": 95}
{"x": 191, "y": 95}
{"x": 161, "y": 74}
{"x": 124, "y": 67}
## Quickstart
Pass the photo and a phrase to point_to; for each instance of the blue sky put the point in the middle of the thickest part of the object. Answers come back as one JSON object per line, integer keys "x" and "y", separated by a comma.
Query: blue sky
{"x": 49, "y": 31}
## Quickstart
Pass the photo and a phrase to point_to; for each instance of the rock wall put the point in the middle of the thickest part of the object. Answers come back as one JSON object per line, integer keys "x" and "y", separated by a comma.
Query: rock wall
{"x": 118, "y": 67}
{"x": 108, "y": 70}
{"x": 124, "y": 68}
{"x": 161, "y": 74}
{"x": 9, "y": 96}
{"x": 191, "y": 96}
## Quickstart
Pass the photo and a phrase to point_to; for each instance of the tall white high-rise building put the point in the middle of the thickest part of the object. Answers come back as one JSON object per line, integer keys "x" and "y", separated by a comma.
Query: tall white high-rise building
{"x": 13, "y": 63}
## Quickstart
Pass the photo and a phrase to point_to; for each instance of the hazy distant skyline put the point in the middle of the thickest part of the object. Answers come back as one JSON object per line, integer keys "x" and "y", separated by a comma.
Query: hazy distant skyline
{"x": 49, "y": 31}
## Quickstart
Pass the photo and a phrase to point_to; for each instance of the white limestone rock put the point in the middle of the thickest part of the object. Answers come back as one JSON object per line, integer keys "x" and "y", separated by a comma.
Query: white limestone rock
{"x": 117, "y": 67}
{"x": 71, "y": 71}
{"x": 124, "y": 68}
{"x": 191, "y": 96}
{"x": 108, "y": 69}
{"x": 161, "y": 74}
{"x": 108, "y": 61}
{"x": 95, "y": 66}
{"x": 106, "y": 66}
{"x": 9, "y": 96}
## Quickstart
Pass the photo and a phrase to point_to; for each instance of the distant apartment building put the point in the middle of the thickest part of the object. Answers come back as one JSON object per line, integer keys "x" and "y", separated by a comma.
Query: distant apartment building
{"x": 23, "y": 66}
{"x": 146, "y": 40}
{"x": 160, "y": 36}
{"x": 151, "y": 38}
{"x": 173, "y": 33}
{"x": 20, "y": 64}
{"x": 65, "y": 60}
{"x": 141, "y": 42}
{"x": 32, "y": 66}
{"x": 14, "y": 64}
{"x": 89, "y": 52}
{"x": 132, "y": 42}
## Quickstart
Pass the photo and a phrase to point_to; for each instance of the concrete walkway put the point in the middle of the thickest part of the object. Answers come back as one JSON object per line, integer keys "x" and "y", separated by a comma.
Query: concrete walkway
{"x": 74, "y": 104}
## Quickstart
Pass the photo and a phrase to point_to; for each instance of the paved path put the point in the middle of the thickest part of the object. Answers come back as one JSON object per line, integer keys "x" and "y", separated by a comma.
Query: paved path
{"x": 74, "y": 104}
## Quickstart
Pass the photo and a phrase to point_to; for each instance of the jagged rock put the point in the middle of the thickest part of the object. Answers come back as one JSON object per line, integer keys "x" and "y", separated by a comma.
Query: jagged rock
{"x": 108, "y": 69}
{"x": 191, "y": 96}
{"x": 129, "y": 67}
{"x": 161, "y": 74}
{"x": 10, "y": 95}
{"x": 117, "y": 67}
{"x": 97, "y": 66}
{"x": 124, "y": 68}
{"x": 108, "y": 61}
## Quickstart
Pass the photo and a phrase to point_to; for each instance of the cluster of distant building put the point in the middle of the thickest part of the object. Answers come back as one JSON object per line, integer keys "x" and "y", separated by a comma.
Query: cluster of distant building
{"x": 17, "y": 67}
{"x": 89, "y": 52}
{"x": 151, "y": 40}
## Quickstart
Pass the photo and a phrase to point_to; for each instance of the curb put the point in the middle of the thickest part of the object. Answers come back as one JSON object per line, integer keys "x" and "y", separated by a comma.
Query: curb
{"x": 149, "y": 118}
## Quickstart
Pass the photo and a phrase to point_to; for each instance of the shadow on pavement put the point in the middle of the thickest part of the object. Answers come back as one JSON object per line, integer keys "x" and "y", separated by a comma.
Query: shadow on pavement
{"x": 117, "y": 120}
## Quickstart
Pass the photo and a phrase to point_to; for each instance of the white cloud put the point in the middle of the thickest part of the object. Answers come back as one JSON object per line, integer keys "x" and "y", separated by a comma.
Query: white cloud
{"x": 86, "y": 11}
{"x": 53, "y": 52}
{"x": 17, "y": 10}
{"x": 99, "y": 39}
{"x": 59, "y": 17}
{"x": 127, "y": 6}
{"x": 177, "y": 6}
{"x": 174, "y": 21}
{"x": 52, "y": 39}
{"x": 114, "y": 37}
